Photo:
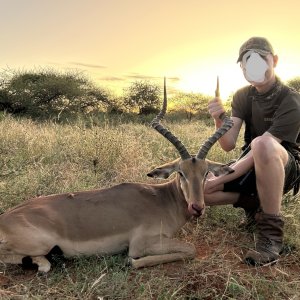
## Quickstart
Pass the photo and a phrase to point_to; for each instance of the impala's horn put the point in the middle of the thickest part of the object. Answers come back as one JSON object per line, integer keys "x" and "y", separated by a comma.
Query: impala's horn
{"x": 227, "y": 124}
{"x": 184, "y": 154}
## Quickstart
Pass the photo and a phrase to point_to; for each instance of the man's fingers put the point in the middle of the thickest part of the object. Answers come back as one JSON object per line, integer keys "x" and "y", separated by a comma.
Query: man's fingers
{"x": 215, "y": 107}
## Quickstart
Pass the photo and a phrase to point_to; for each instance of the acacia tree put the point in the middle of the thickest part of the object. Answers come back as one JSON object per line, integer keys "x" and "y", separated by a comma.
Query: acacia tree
{"x": 191, "y": 104}
{"x": 142, "y": 96}
{"x": 48, "y": 92}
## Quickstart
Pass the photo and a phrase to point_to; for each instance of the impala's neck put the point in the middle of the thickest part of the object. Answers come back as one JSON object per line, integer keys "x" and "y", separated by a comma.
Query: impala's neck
{"x": 178, "y": 195}
{"x": 174, "y": 202}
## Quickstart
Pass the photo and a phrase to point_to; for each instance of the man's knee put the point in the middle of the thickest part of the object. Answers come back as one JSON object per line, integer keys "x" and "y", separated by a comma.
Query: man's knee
{"x": 266, "y": 149}
{"x": 262, "y": 143}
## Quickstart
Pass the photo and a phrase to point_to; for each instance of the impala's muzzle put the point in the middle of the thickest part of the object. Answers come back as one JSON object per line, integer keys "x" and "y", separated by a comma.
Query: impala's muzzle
{"x": 195, "y": 210}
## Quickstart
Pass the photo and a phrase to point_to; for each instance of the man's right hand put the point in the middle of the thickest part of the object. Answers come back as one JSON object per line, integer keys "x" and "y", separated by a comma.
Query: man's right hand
{"x": 216, "y": 108}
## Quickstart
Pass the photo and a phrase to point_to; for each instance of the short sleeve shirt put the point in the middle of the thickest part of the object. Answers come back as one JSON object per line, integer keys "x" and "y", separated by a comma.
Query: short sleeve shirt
{"x": 277, "y": 111}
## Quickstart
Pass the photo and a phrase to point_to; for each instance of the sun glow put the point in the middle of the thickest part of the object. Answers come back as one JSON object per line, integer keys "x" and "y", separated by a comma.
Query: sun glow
{"x": 205, "y": 82}
{"x": 202, "y": 78}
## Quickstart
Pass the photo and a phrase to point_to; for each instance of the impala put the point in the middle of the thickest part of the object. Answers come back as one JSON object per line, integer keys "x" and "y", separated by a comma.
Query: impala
{"x": 139, "y": 217}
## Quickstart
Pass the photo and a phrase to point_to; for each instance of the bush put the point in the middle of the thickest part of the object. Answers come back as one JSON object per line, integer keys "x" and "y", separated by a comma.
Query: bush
{"x": 46, "y": 92}
{"x": 191, "y": 104}
{"x": 143, "y": 97}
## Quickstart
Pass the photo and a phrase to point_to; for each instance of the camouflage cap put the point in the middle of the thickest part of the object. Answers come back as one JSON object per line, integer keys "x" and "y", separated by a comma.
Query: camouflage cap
{"x": 259, "y": 44}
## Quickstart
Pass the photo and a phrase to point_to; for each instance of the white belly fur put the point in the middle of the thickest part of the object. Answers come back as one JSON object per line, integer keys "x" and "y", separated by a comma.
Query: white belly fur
{"x": 108, "y": 245}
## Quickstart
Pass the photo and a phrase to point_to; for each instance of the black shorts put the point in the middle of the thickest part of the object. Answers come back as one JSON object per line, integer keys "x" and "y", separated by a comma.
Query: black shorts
{"x": 246, "y": 184}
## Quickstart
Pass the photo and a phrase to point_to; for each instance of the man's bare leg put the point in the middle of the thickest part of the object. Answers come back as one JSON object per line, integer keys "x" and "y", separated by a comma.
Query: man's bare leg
{"x": 270, "y": 159}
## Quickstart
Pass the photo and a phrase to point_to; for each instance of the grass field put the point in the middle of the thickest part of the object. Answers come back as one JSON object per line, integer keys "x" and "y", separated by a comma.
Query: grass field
{"x": 47, "y": 158}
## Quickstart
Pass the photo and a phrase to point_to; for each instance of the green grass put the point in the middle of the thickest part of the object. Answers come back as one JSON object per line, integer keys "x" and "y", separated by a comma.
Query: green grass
{"x": 47, "y": 158}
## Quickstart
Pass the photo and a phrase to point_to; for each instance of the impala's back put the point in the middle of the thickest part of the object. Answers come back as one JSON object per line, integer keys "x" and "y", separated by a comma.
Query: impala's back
{"x": 100, "y": 221}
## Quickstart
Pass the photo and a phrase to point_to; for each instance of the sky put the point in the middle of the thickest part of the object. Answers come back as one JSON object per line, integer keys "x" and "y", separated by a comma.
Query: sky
{"x": 116, "y": 42}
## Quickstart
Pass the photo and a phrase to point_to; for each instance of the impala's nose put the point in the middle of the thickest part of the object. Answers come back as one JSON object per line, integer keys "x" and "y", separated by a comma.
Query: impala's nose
{"x": 196, "y": 210}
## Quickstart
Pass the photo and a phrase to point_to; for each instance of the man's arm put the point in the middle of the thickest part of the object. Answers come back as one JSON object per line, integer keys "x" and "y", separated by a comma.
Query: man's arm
{"x": 240, "y": 167}
{"x": 227, "y": 141}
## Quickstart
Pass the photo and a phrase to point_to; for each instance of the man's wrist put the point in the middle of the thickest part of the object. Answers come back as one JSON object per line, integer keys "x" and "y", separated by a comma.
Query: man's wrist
{"x": 218, "y": 122}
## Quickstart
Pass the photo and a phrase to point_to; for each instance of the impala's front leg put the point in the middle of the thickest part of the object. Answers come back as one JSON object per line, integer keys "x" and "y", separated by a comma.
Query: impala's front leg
{"x": 159, "y": 250}
{"x": 43, "y": 263}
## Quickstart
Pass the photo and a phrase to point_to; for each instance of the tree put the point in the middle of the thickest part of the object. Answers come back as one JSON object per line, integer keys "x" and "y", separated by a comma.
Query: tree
{"x": 294, "y": 83}
{"x": 191, "y": 103}
{"x": 142, "y": 96}
{"x": 47, "y": 92}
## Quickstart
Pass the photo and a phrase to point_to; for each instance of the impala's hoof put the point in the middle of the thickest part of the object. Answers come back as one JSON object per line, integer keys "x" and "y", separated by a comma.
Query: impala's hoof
{"x": 44, "y": 265}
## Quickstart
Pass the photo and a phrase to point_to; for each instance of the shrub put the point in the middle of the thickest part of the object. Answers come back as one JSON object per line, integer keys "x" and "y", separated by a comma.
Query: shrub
{"x": 46, "y": 92}
{"x": 143, "y": 97}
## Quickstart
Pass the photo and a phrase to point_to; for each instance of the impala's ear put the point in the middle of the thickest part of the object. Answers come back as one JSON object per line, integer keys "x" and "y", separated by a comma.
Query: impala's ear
{"x": 164, "y": 171}
{"x": 219, "y": 169}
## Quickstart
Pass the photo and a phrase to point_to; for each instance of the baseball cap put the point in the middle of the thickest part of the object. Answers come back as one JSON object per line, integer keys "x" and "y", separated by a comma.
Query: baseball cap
{"x": 259, "y": 44}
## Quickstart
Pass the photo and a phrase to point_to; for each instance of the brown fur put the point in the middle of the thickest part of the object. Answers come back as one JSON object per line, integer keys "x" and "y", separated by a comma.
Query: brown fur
{"x": 139, "y": 217}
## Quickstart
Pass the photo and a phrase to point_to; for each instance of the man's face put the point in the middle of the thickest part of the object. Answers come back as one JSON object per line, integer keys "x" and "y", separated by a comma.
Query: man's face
{"x": 258, "y": 69}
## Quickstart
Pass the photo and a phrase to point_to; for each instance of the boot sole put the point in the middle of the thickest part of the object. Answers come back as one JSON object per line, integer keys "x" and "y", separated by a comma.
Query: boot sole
{"x": 252, "y": 262}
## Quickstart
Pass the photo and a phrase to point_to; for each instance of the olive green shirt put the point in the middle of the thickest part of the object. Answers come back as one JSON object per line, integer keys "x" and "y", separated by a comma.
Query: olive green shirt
{"x": 277, "y": 111}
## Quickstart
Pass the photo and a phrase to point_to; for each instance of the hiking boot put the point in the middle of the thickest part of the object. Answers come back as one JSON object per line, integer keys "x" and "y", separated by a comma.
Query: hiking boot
{"x": 250, "y": 204}
{"x": 269, "y": 240}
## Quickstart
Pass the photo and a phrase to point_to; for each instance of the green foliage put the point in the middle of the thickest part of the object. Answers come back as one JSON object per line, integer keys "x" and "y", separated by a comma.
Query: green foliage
{"x": 45, "y": 92}
{"x": 49, "y": 94}
{"x": 294, "y": 83}
{"x": 191, "y": 104}
{"x": 143, "y": 96}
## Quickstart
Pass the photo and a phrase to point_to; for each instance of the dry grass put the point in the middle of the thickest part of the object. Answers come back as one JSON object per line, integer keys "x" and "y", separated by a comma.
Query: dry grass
{"x": 39, "y": 158}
